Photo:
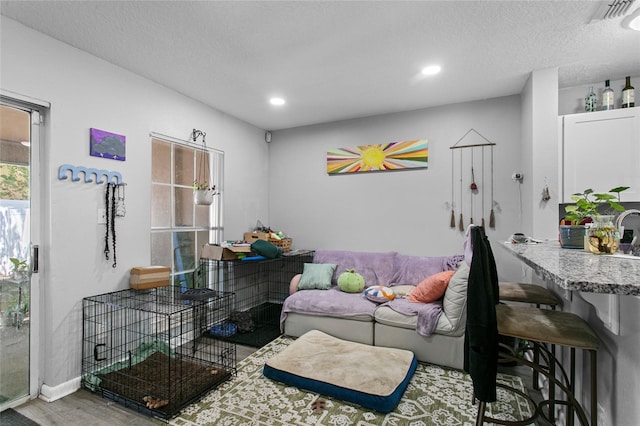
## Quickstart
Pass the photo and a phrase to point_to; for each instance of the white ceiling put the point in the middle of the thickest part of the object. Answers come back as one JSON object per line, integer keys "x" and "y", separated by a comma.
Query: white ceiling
{"x": 335, "y": 60}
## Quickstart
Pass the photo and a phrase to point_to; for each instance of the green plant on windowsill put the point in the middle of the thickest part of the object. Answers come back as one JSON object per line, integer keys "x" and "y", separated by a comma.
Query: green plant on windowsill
{"x": 19, "y": 265}
{"x": 20, "y": 269}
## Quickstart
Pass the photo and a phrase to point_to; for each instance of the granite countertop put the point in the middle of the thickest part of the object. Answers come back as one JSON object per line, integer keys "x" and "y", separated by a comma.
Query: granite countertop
{"x": 574, "y": 269}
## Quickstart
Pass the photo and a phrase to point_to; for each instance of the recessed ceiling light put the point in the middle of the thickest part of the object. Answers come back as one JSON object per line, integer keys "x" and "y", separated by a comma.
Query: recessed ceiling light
{"x": 431, "y": 70}
{"x": 277, "y": 101}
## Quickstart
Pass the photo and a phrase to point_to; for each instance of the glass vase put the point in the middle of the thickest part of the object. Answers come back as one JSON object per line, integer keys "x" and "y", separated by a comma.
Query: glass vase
{"x": 603, "y": 237}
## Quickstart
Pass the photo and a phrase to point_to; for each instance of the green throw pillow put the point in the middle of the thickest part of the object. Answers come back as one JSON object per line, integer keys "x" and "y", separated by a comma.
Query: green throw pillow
{"x": 316, "y": 276}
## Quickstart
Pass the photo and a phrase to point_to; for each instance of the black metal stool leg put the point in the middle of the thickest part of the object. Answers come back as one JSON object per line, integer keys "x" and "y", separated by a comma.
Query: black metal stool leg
{"x": 552, "y": 391}
{"x": 572, "y": 385}
{"x": 482, "y": 406}
{"x": 594, "y": 388}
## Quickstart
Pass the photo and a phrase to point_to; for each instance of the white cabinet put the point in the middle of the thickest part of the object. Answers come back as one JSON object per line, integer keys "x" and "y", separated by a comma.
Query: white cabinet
{"x": 601, "y": 150}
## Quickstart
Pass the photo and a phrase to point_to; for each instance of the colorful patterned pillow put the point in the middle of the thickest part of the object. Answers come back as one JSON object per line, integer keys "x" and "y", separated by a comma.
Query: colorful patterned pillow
{"x": 431, "y": 288}
{"x": 379, "y": 293}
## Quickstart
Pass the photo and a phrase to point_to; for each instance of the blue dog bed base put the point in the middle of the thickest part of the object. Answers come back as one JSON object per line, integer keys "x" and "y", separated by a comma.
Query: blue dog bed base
{"x": 371, "y": 376}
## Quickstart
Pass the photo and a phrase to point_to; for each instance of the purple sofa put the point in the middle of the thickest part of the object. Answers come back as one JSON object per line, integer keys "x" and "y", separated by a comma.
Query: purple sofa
{"x": 434, "y": 332}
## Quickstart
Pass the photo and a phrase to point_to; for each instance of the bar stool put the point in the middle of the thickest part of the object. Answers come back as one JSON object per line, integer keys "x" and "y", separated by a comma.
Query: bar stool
{"x": 542, "y": 327}
{"x": 487, "y": 319}
{"x": 532, "y": 294}
{"x": 527, "y": 293}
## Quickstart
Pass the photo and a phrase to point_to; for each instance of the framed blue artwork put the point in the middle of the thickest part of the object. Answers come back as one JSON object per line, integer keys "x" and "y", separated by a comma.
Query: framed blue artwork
{"x": 107, "y": 145}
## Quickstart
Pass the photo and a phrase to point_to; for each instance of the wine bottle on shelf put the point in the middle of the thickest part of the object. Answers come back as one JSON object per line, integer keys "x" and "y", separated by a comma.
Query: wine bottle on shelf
{"x": 608, "y": 98}
{"x": 628, "y": 100}
{"x": 590, "y": 101}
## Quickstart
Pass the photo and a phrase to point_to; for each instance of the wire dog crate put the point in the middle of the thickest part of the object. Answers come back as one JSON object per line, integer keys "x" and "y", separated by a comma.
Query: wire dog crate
{"x": 144, "y": 348}
{"x": 260, "y": 288}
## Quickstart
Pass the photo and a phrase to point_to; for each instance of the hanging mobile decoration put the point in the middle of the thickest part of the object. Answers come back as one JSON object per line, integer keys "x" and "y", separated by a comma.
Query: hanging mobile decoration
{"x": 461, "y": 222}
{"x": 474, "y": 186}
{"x": 452, "y": 223}
{"x": 110, "y": 223}
{"x": 492, "y": 215}
{"x": 471, "y": 192}
{"x": 482, "y": 223}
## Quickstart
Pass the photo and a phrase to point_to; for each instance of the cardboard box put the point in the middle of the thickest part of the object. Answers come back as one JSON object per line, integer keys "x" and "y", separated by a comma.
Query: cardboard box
{"x": 223, "y": 253}
{"x": 144, "y": 277}
{"x": 151, "y": 284}
{"x": 253, "y": 236}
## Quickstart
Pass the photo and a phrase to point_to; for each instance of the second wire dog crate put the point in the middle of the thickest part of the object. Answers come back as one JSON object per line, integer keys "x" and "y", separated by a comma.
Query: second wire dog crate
{"x": 260, "y": 287}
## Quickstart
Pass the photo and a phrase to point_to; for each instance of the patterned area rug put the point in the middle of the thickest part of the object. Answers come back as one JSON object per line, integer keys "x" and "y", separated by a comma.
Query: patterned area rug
{"x": 435, "y": 396}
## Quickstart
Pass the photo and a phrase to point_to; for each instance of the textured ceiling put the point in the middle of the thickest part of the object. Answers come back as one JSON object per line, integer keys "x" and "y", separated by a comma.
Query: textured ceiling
{"x": 339, "y": 60}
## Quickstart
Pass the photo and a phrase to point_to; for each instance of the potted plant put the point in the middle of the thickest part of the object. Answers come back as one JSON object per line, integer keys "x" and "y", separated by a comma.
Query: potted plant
{"x": 203, "y": 193}
{"x": 589, "y": 206}
{"x": 20, "y": 268}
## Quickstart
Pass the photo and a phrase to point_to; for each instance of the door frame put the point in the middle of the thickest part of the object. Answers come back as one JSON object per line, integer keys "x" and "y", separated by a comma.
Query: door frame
{"x": 38, "y": 110}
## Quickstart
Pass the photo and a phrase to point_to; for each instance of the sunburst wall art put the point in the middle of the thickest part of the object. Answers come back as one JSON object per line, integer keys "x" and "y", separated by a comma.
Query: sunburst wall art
{"x": 380, "y": 157}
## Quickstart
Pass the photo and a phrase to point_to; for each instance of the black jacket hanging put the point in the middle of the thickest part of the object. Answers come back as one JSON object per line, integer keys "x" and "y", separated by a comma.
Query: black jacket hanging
{"x": 481, "y": 334}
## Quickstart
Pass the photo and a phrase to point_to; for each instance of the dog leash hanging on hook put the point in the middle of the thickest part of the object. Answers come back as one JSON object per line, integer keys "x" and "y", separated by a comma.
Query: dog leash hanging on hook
{"x": 110, "y": 221}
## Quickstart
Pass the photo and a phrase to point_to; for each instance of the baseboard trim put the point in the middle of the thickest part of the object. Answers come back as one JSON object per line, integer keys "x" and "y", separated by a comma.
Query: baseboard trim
{"x": 53, "y": 393}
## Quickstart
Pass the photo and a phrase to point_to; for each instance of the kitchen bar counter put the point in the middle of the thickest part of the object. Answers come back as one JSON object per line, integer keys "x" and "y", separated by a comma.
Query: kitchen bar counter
{"x": 574, "y": 269}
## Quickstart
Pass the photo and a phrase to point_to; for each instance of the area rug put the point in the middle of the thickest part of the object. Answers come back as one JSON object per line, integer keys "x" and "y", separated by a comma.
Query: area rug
{"x": 435, "y": 396}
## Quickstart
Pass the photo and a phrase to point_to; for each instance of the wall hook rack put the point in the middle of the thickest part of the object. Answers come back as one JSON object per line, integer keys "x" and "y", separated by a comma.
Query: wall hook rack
{"x": 89, "y": 174}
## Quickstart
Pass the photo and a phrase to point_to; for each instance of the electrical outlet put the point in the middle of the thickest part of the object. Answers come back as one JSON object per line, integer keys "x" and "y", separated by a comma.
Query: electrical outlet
{"x": 601, "y": 415}
{"x": 517, "y": 176}
{"x": 102, "y": 216}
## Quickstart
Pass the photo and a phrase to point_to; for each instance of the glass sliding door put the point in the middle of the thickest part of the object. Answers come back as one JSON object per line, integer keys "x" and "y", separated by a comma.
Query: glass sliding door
{"x": 15, "y": 252}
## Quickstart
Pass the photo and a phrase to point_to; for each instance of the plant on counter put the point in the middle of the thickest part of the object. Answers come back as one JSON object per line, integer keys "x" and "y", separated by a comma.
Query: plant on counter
{"x": 590, "y": 207}
{"x": 588, "y": 204}
{"x": 602, "y": 236}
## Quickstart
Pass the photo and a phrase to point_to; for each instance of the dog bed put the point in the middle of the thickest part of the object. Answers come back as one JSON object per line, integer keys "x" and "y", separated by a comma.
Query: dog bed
{"x": 371, "y": 376}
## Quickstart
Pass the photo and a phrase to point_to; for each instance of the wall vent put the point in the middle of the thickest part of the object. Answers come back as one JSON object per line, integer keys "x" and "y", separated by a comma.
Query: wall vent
{"x": 612, "y": 9}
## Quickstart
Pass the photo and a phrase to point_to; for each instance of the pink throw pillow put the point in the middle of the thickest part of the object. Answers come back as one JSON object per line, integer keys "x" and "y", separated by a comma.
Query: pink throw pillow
{"x": 293, "y": 285}
{"x": 431, "y": 288}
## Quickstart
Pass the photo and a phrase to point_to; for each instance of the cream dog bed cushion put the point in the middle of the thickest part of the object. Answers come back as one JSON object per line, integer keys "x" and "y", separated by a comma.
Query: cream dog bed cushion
{"x": 371, "y": 376}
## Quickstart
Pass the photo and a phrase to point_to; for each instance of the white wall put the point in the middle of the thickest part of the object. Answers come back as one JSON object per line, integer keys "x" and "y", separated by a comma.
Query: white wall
{"x": 87, "y": 92}
{"x": 405, "y": 211}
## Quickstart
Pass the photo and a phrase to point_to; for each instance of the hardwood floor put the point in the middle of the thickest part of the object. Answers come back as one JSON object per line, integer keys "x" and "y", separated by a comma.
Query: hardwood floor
{"x": 84, "y": 408}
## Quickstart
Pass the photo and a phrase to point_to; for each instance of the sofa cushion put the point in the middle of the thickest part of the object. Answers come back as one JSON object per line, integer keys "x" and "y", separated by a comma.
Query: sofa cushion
{"x": 375, "y": 268}
{"x": 316, "y": 276}
{"x": 331, "y": 303}
{"x": 431, "y": 288}
{"x": 414, "y": 269}
{"x": 454, "y": 304}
